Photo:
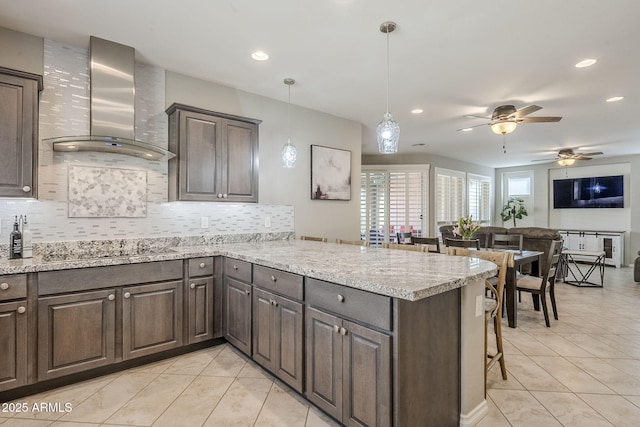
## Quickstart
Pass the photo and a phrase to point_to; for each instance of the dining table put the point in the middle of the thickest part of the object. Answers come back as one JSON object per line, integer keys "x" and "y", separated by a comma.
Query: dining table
{"x": 520, "y": 258}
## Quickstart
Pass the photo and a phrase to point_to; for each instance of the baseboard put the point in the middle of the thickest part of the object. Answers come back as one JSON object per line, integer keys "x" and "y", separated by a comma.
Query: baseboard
{"x": 476, "y": 414}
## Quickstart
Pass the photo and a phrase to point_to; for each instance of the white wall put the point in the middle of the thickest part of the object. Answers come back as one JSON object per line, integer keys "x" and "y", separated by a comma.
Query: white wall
{"x": 333, "y": 219}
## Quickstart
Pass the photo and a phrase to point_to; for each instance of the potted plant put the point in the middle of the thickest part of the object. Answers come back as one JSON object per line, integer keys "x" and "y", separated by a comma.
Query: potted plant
{"x": 514, "y": 209}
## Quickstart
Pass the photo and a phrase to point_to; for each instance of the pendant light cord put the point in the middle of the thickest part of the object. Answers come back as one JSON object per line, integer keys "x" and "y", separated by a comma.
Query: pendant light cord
{"x": 289, "y": 117}
{"x": 388, "y": 69}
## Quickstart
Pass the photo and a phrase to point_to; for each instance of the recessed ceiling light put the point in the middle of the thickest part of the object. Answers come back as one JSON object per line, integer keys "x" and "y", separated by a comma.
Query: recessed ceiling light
{"x": 586, "y": 63}
{"x": 260, "y": 55}
{"x": 615, "y": 99}
{"x": 466, "y": 129}
{"x": 417, "y": 111}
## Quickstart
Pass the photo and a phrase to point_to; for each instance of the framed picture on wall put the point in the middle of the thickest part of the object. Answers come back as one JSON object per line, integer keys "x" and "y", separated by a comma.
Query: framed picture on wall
{"x": 330, "y": 173}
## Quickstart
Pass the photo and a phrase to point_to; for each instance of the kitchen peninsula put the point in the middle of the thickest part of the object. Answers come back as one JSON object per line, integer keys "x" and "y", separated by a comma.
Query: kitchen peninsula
{"x": 399, "y": 326}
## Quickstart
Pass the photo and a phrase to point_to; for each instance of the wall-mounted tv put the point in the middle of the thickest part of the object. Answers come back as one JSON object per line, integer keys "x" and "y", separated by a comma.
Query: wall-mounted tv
{"x": 594, "y": 192}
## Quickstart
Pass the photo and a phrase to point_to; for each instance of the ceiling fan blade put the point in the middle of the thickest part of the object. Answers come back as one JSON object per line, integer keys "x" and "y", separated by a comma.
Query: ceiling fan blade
{"x": 476, "y": 116}
{"x": 474, "y": 126}
{"x": 545, "y": 160}
{"x": 539, "y": 119}
{"x": 581, "y": 157}
{"x": 595, "y": 153}
{"x": 525, "y": 111}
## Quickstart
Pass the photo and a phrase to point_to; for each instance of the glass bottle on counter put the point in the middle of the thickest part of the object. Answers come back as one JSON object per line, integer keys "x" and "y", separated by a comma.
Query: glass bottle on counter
{"x": 15, "y": 242}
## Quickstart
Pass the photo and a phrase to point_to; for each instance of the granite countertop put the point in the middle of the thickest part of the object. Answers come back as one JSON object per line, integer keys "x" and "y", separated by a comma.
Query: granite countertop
{"x": 401, "y": 274}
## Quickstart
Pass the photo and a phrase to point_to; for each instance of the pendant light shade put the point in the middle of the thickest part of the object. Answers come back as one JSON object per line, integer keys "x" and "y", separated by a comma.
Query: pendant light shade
{"x": 289, "y": 151}
{"x": 388, "y": 130}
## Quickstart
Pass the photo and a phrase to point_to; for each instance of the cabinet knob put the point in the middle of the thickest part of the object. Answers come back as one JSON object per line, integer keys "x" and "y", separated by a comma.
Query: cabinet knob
{"x": 273, "y": 278}
{"x": 336, "y": 329}
{"x": 4, "y": 286}
{"x": 111, "y": 297}
{"x": 219, "y": 195}
{"x": 192, "y": 286}
{"x": 26, "y": 188}
{"x": 22, "y": 310}
{"x": 343, "y": 331}
{"x": 235, "y": 267}
{"x": 127, "y": 295}
{"x": 224, "y": 196}
{"x": 340, "y": 298}
{"x": 247, "y": 292}
{"x": 274, "y": 303}
{"x": 202, "y": 265}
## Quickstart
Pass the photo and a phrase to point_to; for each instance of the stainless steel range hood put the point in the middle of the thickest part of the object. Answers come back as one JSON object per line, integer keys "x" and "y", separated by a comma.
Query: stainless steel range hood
{"x": 112, "y": 106}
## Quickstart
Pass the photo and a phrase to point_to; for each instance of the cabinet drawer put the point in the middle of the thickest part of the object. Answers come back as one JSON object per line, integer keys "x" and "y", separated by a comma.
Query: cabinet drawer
{"x": 348, "y": 302}
{"x": 287, "y": 284}
{"x": 201, "y": 267}
{"x": 241, "y": 270}
{"x": 13, "y": 286}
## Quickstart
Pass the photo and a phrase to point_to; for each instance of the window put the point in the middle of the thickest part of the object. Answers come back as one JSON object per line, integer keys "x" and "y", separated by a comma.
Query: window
{"x": 519, "y": 186}
{"x": 393, "y": 200}
{"x": 459, "y": 194}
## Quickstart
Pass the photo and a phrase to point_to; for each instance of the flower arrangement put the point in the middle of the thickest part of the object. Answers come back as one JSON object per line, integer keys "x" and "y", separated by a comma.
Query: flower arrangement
{"x": 466, "y": 227}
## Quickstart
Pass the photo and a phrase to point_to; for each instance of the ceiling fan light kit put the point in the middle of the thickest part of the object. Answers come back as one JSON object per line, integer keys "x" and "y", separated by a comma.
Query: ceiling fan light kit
{"x": 566, "y": 162}
{"x": 388, "y": 130}
{"x": 503, "y": 128}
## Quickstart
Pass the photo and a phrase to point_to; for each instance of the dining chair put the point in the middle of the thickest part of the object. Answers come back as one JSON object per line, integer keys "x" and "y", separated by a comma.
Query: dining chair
{"x": 506, "y": 241}
{"x": 538, "y": 286}
{"x": 432, "y": 243}
{"x": 461, "y": 243}
{"x": 352, "y": 242}
{"x": 414, "y": 248}
{"x": 492, "y": 303}
{"x": 404, "y": 238}
{"x": 314, "y": 239}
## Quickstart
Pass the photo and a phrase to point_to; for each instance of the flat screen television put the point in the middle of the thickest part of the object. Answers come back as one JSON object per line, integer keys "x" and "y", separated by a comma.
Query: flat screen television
{"x": 594, "y": 192}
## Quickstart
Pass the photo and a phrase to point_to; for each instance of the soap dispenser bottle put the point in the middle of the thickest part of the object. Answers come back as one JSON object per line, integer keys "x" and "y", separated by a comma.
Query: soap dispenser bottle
{"x": 15, "y": 242}
{"x": 27, "y": 246}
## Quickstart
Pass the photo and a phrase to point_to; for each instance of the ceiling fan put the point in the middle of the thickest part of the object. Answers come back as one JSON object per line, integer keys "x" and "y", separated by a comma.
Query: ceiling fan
{"x": 505, "y": 118}
{"x": 567, "y": 157}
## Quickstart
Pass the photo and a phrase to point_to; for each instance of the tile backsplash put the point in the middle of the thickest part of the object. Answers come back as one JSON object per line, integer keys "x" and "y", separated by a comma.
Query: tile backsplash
{"x": 64, "y": 111}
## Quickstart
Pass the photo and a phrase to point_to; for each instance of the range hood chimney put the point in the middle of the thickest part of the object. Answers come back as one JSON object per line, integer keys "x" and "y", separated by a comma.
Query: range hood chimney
{"x": 112, "y": 106}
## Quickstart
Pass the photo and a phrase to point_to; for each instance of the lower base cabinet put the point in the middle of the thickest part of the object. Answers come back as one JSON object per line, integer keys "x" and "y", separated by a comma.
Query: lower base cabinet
{"x": 76, "y": 332}
{"x": 348, "y": 370}
{"x": 278, "y": 328}
{"x": 237, "y": 314}
{"x": 151, "y": 318}
{"x": 13, "y": 344}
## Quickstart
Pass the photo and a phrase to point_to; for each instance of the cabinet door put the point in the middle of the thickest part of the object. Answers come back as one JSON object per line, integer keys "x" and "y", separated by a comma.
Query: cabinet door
{"x": 366, "y": 377}
{"x": 264, "y": 328}
{"x": 324, "y": 361}
{"x": 18, "y": 135}
{"x": 198, "y": 156}
{"x": 237, "y": 314}
{"x": 151, "y": 318}
{"x": 591, "y": 243}
{"x": 13, "y": 345}
{"x": 75, "y": 332}
{"x": 239, "y": 166}
{"x": 200, "y": 306}
{"x": 289, "y": 326}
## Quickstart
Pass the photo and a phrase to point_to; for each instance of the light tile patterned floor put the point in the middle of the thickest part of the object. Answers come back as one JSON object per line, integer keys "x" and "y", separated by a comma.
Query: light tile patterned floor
{"x": 583, "y": 371}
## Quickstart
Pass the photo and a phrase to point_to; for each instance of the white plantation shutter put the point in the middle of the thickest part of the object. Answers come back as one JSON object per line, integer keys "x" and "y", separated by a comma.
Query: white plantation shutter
{"x": 397, "y": 199}
{"x": 479, "y": 198}
{"x": 450, "y": 196}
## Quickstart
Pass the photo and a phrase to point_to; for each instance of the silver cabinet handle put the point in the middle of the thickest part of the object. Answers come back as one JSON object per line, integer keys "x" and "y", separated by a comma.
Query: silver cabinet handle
{"x": 340, "y": 298}
{"x": 26, "y": 188}
{"x": 4, "y": 286}
{"x": 22, "y": 310}
{"x": 336, "y": 329}
{"x": 192, "y": 286}
{"x": 202, "y": 265}
{"x": 273, "y": 278}
{"x": 111, "y": 297}
{"x": 127, "y": 294}
{"x": 343, "y": 331}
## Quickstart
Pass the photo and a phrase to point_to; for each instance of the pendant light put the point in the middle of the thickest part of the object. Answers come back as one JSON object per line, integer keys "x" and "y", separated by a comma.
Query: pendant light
{"x": 388, "y": 130}
{"x": 289, "y": 151}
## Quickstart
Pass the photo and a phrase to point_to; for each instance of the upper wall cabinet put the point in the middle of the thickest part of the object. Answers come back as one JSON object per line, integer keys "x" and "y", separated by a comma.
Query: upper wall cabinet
{"x": 216, "y": 156}
{"x": 18, "y": 133}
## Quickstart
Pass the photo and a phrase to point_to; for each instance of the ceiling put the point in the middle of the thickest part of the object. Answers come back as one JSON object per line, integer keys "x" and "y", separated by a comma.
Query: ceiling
{"x": 450, "y": 59}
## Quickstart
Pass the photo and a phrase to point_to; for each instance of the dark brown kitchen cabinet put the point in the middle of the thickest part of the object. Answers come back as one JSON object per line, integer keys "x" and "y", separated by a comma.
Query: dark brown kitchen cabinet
{"x": 348, "y": 370}
{"x": 76, "y": 332}
{"x": 18, "y": 133}
{"x": 13, "y": 344}
{"x": 216, "y": 156}
{"x": 151, "y": 318}
{"x": 200, "y": 298}
{"x": 278, "y": 339}
{"x": 237, "y": 314}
